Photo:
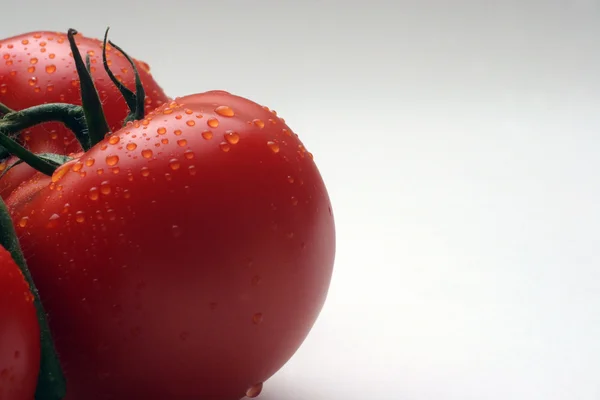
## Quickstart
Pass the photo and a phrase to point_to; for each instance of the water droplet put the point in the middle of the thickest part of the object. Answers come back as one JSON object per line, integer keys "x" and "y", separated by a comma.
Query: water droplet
{"x": 182, "y": 142}
{"x": 257, "y": 318}
{"x": 192, "y": 170}
{"x": 294, "y": 201}
{"x": 93, "y": 193}
{"x": 232, "y": 137}
{"x": 161, "y": 130}
{"x": 225, "y": 146}
{"x": 50, "y": 68}
{"x": 60, "y": 172}
{"x": 188, "y": 111}
{"x": 32, "y": 81}
{"x": 224, "y": 111}
{"x": 189, "y": 154}
{"x": 254, "y": 391}
{"x": 273, "y": 146}
{"x": 23, "y": 222}
{"x": 31, "y": 69}
{"x": 53, "y": 221}
{"x": 176, "y": 231}
{"x": 290, "y": 179}
{"x": 207, "y": 135}
{"x": 89, "y": 162}
{"x": 147, "y": 153}
{"x": 77, "y": 166}
{"x": 212, "y": 122}
{"x": 191, "y": 122}
{"x": 131, "y": 146}
{"x": 79, "y": 217}
{"x": 51, "y": 56}
{"x": 174, "y": 164}
{"x": 114, "y": 140}
{"x": 177, "y": 132}
{"x": 145, "y": 171}
{"x": 25, "y": 41}
{"x": 105, "y": 188}
{"x": 112, "y": 160}
{"x": 258, "y": 123}
{"x": 100, "y": 171}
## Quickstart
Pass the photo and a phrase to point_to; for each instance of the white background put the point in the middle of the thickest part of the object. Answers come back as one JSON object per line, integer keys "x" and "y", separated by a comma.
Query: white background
{"x": 460, "y": 142}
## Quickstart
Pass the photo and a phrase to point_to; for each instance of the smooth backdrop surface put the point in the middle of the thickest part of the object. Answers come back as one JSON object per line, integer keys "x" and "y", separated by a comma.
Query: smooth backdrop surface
{"x": 460, "y": 141}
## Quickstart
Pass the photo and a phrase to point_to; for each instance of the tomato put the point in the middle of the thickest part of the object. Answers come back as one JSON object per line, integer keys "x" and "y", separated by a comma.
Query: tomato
{"x": 19, "y": 333}
{"x": 38, "y": 67}
{"x": 187, "y": 256}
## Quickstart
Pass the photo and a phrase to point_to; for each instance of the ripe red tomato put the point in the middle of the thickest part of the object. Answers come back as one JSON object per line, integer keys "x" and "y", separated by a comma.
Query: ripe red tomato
{"x": 185, "y": 257}
{"x": 19, "y": 334}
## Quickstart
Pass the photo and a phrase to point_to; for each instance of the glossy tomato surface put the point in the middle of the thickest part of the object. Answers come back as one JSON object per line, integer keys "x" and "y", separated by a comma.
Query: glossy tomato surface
{"x": 38, "y": 68}
{"x": 185, "y": 257}
{"x": 19, "y": 334}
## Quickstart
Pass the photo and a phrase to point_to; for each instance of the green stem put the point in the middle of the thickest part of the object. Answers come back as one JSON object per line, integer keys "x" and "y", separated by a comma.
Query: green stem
{"x": 92, "y": 106}
{"x": 28, "y": 157}
{"x": 72, "y": 116}
{"x": 51, "y": 381}
{"x": 5, "y": 110}
{"x": 134, "y": 100}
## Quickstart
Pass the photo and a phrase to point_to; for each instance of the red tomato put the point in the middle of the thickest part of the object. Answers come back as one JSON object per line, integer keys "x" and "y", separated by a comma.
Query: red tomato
{"x": 38, "y": 68}
{"x": 19, "y": 334}
{"x": 185, "y": 257}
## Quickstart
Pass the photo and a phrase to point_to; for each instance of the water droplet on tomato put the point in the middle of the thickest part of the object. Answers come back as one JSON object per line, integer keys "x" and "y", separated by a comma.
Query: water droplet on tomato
{"x": 176, "y": 231}
{"x": 254, "y": 391}
{"x": 33, "y": 60}
{"x": 294, "y": 201}
{"x": 225, "y": 146}
{"x": 273, "y": 146}
{"x": 131, "y": 146}
{"x": 257, "y": 318}
{"x": 191, "y": 122}
{"x": 258, "y": 123}
{"x": 89, "y": 162}
{"x": 224, "y": 111}
{"x": 50, "y": 68}
{"x": 31, "y": 69}
{"x": 60, "y": 172}
{"x": 147, "y": 153}
{"x": 79, "y": 217}
{"x": 145, "y": 171}
{"x": 114, "y": 140}
{"x": 32, "y": 81}
{"x": 174, "y": 164}
{"x": 290, "y": 179}
{"x": 192, "y": 170}
{"x": 93, "y": 193}
{"x": 212, "y": 122}
{"x": 161, "y": 130}
{"x": 232, "y": 137}
{"x": 207, "y": 135}
{"x": 105, "y": 188}
{"x": 182, "y": 142}
{"x": 112, "y": 160}
{"x": 189, "y": 154}
{"x": 177, "y": 132}
{"x": 53, "y": 221}
{"x": 23, "y": 222}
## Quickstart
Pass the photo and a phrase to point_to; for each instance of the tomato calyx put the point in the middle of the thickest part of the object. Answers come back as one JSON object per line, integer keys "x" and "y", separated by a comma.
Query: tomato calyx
{"x": 51, "y": 381}
{"x": 134, "y": 100}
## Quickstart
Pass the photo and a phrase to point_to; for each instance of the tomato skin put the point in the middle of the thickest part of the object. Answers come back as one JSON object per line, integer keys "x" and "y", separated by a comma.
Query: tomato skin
{"x": 193, "y": 272}
{"x": 19, "y": 333}
{"x": 13, "y": 178}
{"x": 37, "y": 68}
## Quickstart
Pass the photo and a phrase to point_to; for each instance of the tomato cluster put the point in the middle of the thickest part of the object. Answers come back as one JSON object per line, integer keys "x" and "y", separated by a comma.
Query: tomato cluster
{"x": 183, "y": 254}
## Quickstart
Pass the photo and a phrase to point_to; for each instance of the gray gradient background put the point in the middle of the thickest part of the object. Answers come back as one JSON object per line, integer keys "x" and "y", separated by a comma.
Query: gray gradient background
{"x": 460, "y": 143}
